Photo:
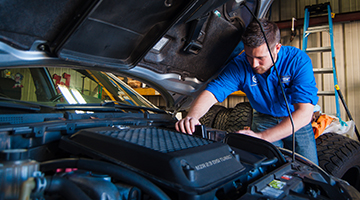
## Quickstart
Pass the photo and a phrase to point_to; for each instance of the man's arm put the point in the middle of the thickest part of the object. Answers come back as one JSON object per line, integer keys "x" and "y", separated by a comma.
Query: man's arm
{"x": 201, "y": 105}
{"x": 301, "y": 117}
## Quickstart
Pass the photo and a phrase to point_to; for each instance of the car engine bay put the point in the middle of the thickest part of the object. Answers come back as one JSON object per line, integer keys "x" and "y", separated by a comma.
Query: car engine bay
{"x": 145, "y": 159}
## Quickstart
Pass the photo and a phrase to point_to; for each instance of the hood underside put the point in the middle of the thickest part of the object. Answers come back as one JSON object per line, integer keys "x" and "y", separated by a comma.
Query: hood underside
{"x": 174, "y": 46}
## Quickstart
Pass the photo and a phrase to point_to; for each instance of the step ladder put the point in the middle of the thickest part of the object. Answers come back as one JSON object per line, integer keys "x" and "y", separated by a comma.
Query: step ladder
{"x": 320, "y": 9}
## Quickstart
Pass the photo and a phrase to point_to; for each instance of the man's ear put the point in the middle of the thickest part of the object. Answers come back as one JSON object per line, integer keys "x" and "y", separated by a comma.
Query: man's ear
{"x": 277, "y": 47}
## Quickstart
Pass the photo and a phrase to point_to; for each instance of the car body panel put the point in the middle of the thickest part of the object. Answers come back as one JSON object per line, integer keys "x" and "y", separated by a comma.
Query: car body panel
{"x": 182, "y": 43}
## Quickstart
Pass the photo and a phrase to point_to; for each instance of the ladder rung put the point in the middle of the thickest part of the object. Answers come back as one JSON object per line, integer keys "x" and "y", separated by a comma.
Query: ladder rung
{"x": 322, "y": 70}
{"x": 326, "y": 93}
{"x": 317, "y": 29}
{"x": 319, "y": 10}
{"x": 318, "y": 49}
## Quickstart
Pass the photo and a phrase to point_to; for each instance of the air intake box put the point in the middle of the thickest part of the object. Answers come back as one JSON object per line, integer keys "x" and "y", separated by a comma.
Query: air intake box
{"x": 179, "y": 161}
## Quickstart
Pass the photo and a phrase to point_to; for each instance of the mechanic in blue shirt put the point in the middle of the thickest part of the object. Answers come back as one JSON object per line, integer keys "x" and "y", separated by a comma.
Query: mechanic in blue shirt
{"x": 253, "y": 73}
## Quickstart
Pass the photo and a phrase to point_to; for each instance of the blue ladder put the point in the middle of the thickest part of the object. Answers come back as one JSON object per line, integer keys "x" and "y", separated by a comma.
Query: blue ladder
{"x": 319, "y": 9}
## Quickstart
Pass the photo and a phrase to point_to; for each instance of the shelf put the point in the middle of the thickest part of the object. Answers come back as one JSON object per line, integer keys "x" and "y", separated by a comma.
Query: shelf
{"x": 152, "y": 92}
{"x": 147, "y": 91}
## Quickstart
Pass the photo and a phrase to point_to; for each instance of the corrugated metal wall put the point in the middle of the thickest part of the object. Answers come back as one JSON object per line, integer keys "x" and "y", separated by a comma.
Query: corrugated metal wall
{"x": 76, "y": 81}
{"x": 347, "y": 51}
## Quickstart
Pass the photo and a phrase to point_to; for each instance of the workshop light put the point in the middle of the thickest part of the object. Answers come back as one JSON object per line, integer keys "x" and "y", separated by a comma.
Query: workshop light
{"x": 78, "y": 96}
{"x": 66, "y": 93}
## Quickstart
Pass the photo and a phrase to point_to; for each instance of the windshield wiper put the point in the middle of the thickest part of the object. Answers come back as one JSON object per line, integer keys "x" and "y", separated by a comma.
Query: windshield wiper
{"x": 127, "y": 106}
{"x": 106, "y": 106}
{"x": 19, "y": 106}
{"x": 24, "y": 105}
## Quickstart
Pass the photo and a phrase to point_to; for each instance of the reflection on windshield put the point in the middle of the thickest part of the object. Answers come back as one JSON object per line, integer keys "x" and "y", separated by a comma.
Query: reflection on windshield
{"x": 51, "y": 86}
{"x": 73, "y": 97}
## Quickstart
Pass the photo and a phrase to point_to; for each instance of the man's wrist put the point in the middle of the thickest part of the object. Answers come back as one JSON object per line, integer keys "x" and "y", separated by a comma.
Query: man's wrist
{"x": 264, "y": 135}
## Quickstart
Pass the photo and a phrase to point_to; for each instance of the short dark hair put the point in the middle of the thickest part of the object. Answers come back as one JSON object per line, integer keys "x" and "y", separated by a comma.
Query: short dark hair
{"x": 253, "y": 37}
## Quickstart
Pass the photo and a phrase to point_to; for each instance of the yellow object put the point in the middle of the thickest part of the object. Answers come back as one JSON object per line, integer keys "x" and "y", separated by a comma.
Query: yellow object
{"x": 26, "y": 188}
{"x": 238, "y": 93}
{"x": 146, "y": 91}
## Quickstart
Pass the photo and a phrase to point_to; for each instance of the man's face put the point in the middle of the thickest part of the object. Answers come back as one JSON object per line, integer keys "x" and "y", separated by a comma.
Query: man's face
{"x": 259, "y": 57}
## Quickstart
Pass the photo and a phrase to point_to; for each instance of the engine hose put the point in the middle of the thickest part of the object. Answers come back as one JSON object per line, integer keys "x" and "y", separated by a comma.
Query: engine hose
{"x": 269, "y": 162}
{"x": 115, "y": 171}
{"x": 65, "y": 188}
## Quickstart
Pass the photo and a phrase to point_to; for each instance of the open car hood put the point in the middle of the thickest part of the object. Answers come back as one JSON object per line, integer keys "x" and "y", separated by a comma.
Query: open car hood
{"x": 174, "y": 46}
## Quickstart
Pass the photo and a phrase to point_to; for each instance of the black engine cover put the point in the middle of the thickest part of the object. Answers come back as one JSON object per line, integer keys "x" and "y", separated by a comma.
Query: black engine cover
{"x": 179, "y": 161}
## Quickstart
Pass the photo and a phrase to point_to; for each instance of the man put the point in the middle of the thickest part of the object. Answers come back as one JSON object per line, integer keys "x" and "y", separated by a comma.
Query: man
{"x": 253, "y": 73}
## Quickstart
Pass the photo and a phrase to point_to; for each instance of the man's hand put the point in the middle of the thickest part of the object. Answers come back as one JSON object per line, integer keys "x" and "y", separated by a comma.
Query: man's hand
{"x": 200, "y": 106}
{"x": 187, "y": 125}
{"x": 301, "y": 117}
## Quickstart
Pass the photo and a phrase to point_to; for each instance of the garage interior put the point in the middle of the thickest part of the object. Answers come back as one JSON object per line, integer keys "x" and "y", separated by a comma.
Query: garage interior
{"x": 346, "y": 31}
{"x": 107, "y": 147}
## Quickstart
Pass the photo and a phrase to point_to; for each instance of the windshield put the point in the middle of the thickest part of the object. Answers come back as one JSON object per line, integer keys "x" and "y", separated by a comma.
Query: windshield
{"x": 59, "y": 86}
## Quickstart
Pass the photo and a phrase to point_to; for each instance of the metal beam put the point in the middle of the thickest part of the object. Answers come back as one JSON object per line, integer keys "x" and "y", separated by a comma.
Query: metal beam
{"x": 341, "y": 17}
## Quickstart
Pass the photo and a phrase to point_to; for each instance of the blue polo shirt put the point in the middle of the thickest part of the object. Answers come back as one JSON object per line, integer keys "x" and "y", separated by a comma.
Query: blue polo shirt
{"x": 263, "y": 90}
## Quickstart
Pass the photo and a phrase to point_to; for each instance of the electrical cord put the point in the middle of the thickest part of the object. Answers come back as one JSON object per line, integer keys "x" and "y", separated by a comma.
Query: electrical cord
{"x": 279, "y": 80}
